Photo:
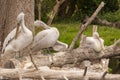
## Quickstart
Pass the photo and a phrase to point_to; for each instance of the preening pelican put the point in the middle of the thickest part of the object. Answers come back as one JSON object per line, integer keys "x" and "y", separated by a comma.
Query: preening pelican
{"x": 95, "y": 41}
{"x": 46, "y": 38}
{"x": 18, "y": 38}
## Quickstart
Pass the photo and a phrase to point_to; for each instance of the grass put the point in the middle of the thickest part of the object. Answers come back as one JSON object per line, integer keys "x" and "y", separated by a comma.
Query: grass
{"x": 69, "y": 30}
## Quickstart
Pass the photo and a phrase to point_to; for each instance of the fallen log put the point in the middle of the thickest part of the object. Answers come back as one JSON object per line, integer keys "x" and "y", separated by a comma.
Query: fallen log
{"x": 75, "y": 56}
{"x": 81, "y": 54}
{"x": 24, "y": 67}
{"x": 56, "y": 74}
{"x": 104, "y": 22}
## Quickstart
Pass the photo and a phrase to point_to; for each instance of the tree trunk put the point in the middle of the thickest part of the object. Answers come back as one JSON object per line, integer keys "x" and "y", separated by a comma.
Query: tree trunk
{"x": 67, "y": 8}
{"x": 39, "y": 3}
{"x": 54, "y": 11}
{"x": 71, "y": 8}
{"x": 62, "y": 9}
{"x": 9, "y": 10}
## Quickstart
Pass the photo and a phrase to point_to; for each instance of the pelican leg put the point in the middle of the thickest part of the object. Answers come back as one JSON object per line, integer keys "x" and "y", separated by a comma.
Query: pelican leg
{"x": 30, "y": 54}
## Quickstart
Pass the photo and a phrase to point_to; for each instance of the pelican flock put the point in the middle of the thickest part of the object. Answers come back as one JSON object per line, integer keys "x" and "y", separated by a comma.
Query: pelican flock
{"x": 17, "y": 39}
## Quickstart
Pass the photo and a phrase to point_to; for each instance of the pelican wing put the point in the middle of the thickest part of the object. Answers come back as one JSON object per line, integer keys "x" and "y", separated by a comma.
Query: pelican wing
{"x": 60, "y": 46}
{"x": 39, "y": 37}
{"x": 9, "y": 38}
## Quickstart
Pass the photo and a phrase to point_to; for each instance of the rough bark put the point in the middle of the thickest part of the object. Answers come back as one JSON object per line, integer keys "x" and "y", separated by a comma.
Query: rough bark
{"x": 60, "y": 60}
{"x": 9, "y": 11}
{"x": 39, "y": 3}
{"x": 56, "y": 74}
{"x": 76, "y": 56}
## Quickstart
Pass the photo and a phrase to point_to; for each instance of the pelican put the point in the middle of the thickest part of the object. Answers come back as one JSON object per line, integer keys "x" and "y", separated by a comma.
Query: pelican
{"x": 17, "y": 39}
{"x": 95, "y": 41}
{"x": 46, "y": 38}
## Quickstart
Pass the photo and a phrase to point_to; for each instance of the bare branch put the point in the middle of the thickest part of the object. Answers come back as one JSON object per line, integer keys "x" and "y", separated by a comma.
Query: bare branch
{"x": 56, "y": 74}
{"x": 54, "y": 11}
{"x": 84, "y": 26}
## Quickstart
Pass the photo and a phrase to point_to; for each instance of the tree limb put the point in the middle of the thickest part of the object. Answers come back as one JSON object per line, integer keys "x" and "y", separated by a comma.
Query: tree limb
{"x": 84, "y": 26}
{"x": 54, "y": 11}
{"x": 56, "y": 74}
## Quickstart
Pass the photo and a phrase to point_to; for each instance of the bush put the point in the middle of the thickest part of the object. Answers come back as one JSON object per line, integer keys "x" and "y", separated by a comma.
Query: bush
{"x": 111, "y": 16}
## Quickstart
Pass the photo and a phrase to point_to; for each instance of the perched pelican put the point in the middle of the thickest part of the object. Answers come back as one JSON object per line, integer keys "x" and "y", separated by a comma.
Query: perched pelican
{"x": 95, "y": 41}
{"x": 46, "y": 38}
{"x": 50, "y": 32}
{"x": 18, "y": 38}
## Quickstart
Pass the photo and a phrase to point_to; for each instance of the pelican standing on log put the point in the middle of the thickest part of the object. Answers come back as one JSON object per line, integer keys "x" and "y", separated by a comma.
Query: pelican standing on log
{"x": 95, "y": 41}
{"x": 46, "y": 38}
{"x": 17, "y": 39}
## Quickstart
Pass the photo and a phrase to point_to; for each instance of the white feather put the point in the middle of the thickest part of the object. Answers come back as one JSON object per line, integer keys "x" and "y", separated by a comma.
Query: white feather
{"x": 95, "y": 42}
{"x": 46, "y": 38}
{"x": 24, "y": 38}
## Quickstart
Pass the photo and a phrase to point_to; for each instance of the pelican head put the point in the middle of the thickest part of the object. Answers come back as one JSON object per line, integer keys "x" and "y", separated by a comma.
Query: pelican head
{"x": 39, "y": 23}
{"x": 96, "y": 35}
{"x": 20, "y": 17}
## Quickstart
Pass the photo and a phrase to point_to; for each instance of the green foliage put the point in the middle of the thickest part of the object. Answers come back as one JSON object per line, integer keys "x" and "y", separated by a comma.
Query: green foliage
{"x": 86, "y": 8}
{"x": 82, "y": 8}
{"x": 111, "y": 5}
{"x": 69, "y": 30}
{"x": 111, "y": 16}
{"x": 47, "y": 6}
{"x": 69, "y": 26}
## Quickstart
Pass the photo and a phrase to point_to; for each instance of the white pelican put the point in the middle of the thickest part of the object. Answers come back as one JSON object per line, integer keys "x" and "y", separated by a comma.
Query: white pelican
{"x": 95, "y": 41}
{"x": 46, "y": 38}
{"x": 17, "y": 39}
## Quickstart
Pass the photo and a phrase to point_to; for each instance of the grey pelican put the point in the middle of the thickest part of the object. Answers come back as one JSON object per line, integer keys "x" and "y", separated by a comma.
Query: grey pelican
{"x": 17, "y": 39}
{"x": 48, "y": 38}
{"x": 95, "y": 41}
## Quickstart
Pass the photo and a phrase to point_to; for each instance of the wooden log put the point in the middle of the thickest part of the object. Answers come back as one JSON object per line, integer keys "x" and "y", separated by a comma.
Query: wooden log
{"x": 75, "y": 56}
{"x": 55, "y": 74}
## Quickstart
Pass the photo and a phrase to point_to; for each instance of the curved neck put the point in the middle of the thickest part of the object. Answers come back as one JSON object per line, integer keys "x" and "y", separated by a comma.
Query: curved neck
{"x": 22, "y": 24}
{"x": 45, "y": 25}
